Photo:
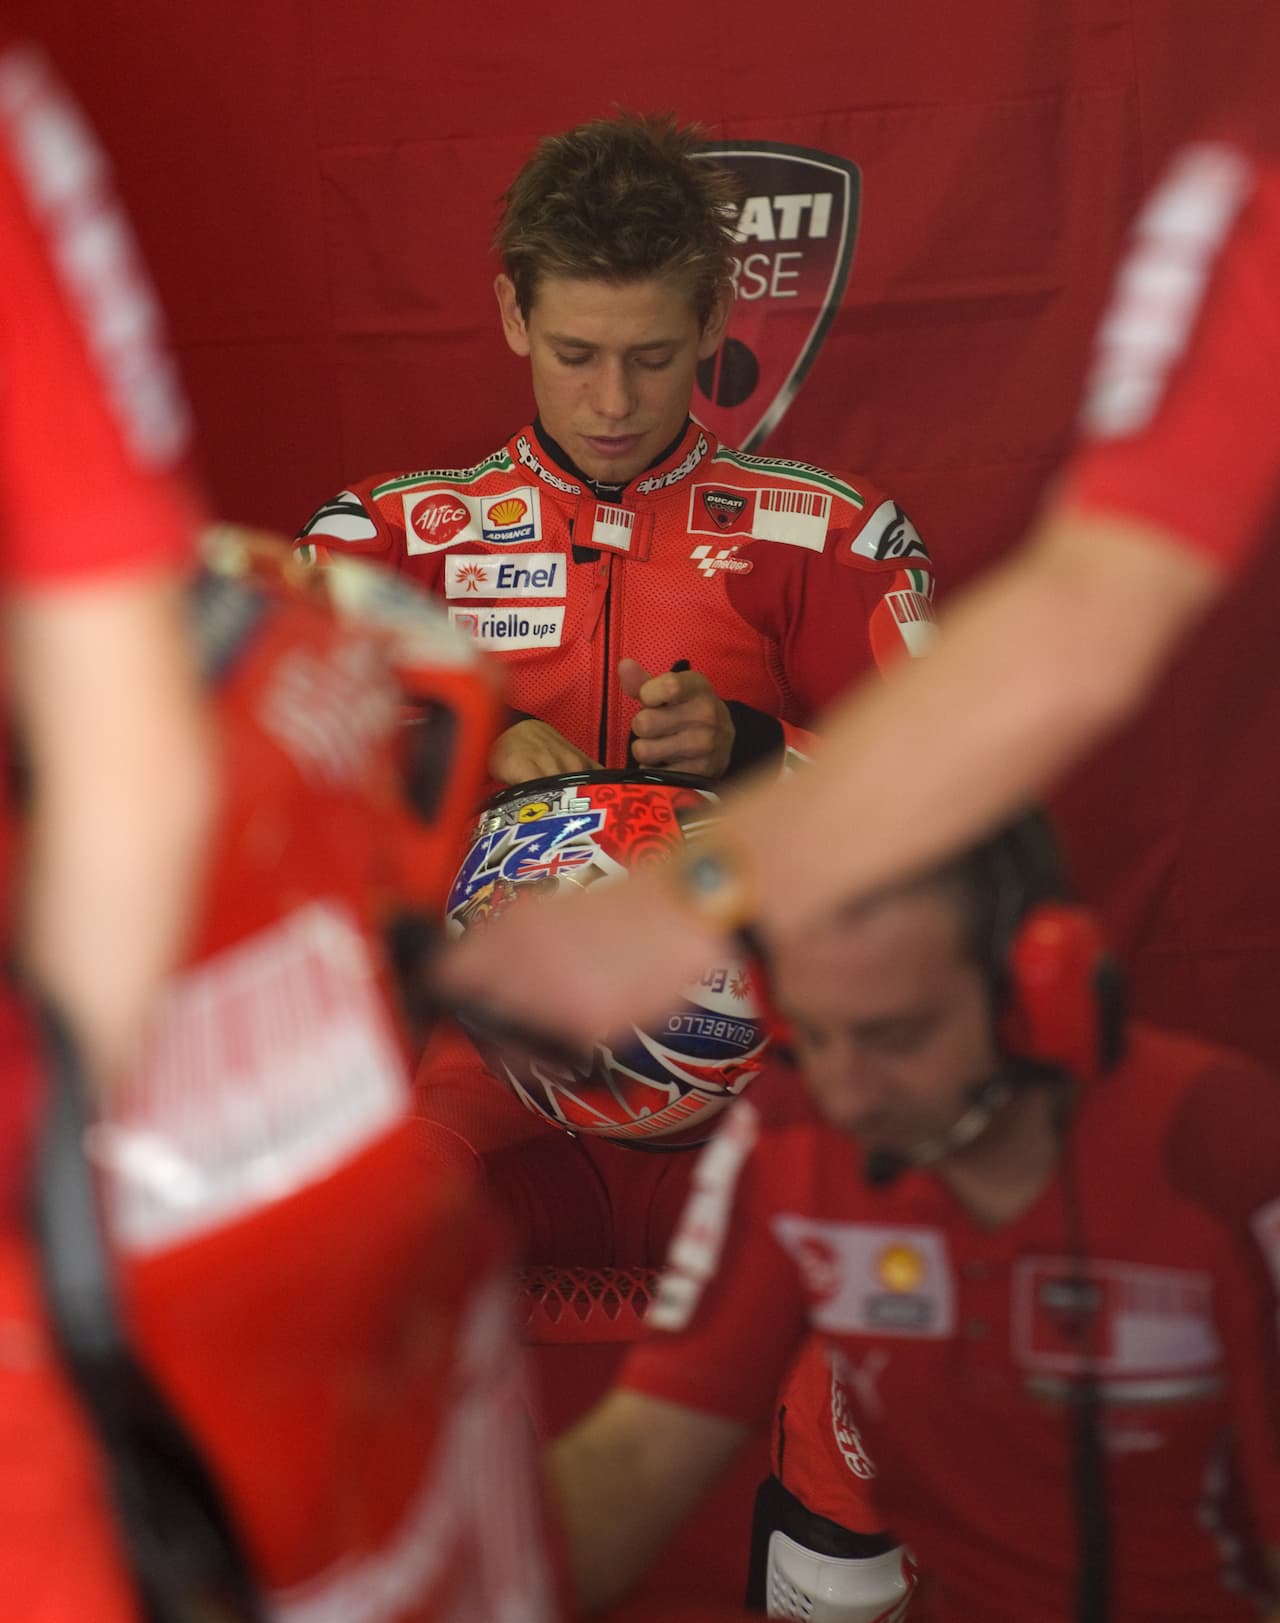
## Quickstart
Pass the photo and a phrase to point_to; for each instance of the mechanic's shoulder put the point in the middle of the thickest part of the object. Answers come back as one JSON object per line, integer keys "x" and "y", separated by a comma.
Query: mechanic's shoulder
{"x": 1214, "y": 1110}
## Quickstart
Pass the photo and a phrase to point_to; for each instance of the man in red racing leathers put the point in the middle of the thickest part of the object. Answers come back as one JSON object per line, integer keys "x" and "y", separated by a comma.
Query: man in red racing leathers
{"x": 655, "y": 597}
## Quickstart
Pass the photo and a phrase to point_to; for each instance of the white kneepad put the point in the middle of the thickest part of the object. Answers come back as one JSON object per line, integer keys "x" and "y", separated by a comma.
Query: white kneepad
{"x": 811, "y": 1588}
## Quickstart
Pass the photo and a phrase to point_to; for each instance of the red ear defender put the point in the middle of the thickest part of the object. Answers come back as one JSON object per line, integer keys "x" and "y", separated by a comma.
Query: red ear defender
{"x": 1063, "y": 991}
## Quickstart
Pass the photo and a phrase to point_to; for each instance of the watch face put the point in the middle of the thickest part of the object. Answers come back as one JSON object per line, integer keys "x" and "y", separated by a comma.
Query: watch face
{"x": 707, "y": 873}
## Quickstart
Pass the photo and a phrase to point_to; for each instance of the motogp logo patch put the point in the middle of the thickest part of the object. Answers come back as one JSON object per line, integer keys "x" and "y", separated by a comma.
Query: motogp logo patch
{"x": 796, "y": 230}
{"x": 722, "y": 559}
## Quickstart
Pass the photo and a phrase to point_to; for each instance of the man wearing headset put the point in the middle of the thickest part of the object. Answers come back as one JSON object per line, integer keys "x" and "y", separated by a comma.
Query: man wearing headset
{"x": 1170, "y": 489}
{"x": 1046, "y": 1272}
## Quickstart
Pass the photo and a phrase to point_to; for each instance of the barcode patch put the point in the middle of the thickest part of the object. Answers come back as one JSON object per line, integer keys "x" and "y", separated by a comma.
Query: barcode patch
{"x": 612, "y": 527}
{"x": 798, "y": 518}
{"x": 809, "y": 502}
{"x": 914, "y": 615}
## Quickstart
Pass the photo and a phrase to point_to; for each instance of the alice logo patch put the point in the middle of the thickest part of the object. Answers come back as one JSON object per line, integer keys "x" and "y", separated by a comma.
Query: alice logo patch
{"x": 528, "y": 574}
{"x": 435, "y": 519}
{"x": 712, "y": 561}
{"x": 795, "y": 229}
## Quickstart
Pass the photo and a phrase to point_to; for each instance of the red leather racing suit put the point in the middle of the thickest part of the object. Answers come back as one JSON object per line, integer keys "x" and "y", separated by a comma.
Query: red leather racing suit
{"x": 779, "y": 582}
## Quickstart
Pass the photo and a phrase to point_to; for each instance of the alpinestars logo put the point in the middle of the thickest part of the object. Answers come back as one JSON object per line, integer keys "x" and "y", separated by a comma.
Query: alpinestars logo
{"x": 724, "y": 558}
{"x": 531, "y": 460}
{"x": 796, "y": 228}
{"x": 681, "y": 471}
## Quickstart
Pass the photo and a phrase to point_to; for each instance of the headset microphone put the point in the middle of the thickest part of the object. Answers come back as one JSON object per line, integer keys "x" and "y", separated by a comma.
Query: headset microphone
{"x": 880, "y": 1168}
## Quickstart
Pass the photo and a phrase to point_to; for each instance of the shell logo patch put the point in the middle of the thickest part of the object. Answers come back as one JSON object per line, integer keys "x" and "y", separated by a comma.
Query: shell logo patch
{"x": 513, "y": 516}
{"x": 900, "y": 1268}
{"x": 509, "y": 511}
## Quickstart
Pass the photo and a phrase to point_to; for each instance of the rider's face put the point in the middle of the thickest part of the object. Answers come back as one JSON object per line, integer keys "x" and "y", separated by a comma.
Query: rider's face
{"x": 613, "y": 365}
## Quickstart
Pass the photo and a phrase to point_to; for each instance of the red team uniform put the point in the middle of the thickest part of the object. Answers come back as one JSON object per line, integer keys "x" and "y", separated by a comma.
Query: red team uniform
{"x": 80, "y": 367}
{"x": 1181, "y": 423}
{"x": 955, "y": 1343}
{"x": 355, "y": 1388}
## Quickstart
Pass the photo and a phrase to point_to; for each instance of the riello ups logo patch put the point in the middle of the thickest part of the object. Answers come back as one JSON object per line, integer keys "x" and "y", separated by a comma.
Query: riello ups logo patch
{"x": 796, "y": 229}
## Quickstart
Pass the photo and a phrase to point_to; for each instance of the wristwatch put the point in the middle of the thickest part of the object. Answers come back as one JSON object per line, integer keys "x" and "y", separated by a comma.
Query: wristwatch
{"x": 713, "y": 878}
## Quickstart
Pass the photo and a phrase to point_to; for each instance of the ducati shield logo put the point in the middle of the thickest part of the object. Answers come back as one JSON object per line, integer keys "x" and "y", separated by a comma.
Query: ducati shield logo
{"x": 796, "y": 229}
{"x": 723, "y": 507}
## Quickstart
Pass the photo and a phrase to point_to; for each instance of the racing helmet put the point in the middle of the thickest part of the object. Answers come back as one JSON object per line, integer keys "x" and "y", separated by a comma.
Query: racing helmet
{"x": 663, "y": 1083}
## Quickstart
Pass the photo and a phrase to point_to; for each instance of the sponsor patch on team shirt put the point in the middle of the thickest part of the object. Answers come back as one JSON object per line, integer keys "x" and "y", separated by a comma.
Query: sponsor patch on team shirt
{"x": 1134, "y": 1320}
{"x": 844, "y": 1428}
{"x": 872, "y": 1278}
{"x": 888, "y": 534}
{"x": 794, "y": 516}
{"x": 264, "y": 1068}
{"x": 436, "y": 518}
{"x": 512, "y": 629}
{"x": 528, "y": 574}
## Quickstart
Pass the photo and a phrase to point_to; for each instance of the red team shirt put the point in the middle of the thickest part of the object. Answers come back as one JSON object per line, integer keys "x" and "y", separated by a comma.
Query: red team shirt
{"x": 92, "y": 425}
{"x": 954, "y": 1343}
{"x": 387, "y": 1390}
{"x": 1181, "y": 422}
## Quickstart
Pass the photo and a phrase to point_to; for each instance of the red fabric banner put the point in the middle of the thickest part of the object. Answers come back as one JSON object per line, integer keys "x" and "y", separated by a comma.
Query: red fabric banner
{"x": 316, "y": 185}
